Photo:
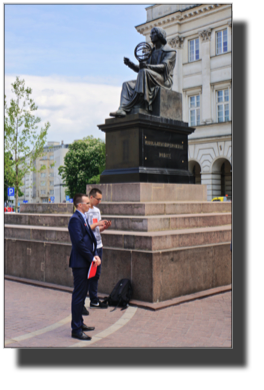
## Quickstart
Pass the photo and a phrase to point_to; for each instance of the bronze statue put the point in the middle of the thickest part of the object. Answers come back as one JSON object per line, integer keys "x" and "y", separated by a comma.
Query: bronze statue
{"x": 156, "y": 72}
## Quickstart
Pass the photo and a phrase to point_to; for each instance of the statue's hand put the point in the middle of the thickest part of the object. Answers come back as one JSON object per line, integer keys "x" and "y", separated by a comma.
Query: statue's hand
{"x": 143, "y": 65}
{"x": 130, "y": 64}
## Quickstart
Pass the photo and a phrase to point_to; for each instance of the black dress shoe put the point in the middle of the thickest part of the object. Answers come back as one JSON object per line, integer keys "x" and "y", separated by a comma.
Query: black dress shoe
{"x": 85, "y": 312}
{"x": 85, "y": 327}
{"x": 80, "y": 336}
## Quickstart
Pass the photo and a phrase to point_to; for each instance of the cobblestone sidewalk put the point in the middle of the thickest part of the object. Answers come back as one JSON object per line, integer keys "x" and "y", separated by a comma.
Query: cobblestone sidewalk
{"x": 37, "y": 317}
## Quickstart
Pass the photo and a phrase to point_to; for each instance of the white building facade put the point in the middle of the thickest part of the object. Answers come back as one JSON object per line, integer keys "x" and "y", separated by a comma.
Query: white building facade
{"x": 47, "y": 183}
{"x": 59, "y": 187}
{"x": 41, "y": 185}
{"x": 27, "y": 187}
{"x": 202, "y": 37}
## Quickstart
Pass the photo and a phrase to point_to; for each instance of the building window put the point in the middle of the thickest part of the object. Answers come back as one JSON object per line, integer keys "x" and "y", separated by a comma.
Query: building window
{"x": 194, "y": 50}
{"x": 52, "y": 157}
{"x": 45, "y": 200}
{"x": 51, "y": 183}
{"x": 43, "y": 192}
{"x": 223, "y": 105}
{"x": 43, "y": 175}
{"x": 44, "y": 158}
{"x": 194, "y": 110}
{"x": 43, "y": 183}
{"x": 51, "y": 174}
{"x": 221, "y": 42}
{"x": 51, "y": 192}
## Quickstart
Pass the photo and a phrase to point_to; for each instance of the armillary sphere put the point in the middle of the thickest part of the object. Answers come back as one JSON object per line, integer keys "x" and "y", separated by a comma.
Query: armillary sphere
{"x": 143, "y": 51}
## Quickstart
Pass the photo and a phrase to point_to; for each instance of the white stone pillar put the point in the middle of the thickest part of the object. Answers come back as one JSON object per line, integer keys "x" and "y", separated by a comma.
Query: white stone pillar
{"x": 213, "y": 182}
{"x": 206, "y": 178}
{"x": 177, "y": 43}
{"x": 228, "y": 184}
{"x": 216, "y": 184}
{"x": 205, "y": 37}
{"x": 229, "y": 36}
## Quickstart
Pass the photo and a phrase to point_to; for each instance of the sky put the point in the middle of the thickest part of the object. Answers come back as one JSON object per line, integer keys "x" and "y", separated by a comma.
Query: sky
{"x": 72, "y": 58}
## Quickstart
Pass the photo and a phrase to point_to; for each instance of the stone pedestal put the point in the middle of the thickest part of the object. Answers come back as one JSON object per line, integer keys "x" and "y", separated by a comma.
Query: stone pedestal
{"x": 146, "y": 148}
{"x": 46, "y": 208}
{"x": 166, "y": 238}
{"x": 150, "y": 192}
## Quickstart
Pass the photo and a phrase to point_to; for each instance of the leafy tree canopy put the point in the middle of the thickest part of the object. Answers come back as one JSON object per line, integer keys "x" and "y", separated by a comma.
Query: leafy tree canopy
{"x": 23, "y": 142}
{"x": 83, "y": 164}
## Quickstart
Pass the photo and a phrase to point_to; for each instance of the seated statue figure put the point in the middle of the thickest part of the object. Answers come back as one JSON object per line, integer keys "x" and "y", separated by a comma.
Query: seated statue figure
{"x": 156, "y": 72}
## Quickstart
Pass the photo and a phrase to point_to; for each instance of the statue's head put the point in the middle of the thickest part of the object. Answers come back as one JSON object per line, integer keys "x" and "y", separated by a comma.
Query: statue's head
{"x": 161, "y": 34}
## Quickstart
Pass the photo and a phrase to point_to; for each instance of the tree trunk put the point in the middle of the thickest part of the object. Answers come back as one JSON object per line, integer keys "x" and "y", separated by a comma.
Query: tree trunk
{"x": 16, "y": 159}
{"x": 16, "y": 186}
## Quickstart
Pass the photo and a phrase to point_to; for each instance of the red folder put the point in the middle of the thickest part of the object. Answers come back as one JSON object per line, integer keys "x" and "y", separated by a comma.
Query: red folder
{"x": 92, "y": 270}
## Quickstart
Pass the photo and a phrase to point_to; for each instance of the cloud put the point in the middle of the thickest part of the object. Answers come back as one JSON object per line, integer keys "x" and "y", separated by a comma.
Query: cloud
{"x": 73, "y": 108}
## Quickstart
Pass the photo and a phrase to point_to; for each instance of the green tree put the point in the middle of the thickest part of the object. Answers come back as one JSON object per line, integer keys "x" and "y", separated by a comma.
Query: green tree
{"x": 22, "y": 140}
{"x": 83, "y": 164}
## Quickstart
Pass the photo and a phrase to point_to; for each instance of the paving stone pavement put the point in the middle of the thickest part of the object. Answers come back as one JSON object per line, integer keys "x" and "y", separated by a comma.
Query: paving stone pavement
{"x": 37, "y": 317}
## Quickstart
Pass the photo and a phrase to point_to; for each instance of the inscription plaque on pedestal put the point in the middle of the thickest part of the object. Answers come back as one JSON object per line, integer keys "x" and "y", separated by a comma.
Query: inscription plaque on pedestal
{"x": 164, "y": 150}
{"x": 144, "y": 148}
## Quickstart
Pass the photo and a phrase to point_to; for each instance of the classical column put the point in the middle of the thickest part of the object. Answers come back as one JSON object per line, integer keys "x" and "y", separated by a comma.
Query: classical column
{"x": 177, "y": 43}
{"x": 205, "y": 36}
{"x": 229, "y": 35}
{"x": 207, "y": 178}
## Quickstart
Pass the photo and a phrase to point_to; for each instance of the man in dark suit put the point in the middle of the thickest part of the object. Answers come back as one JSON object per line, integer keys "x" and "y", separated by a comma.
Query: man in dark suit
{"x": 84, "y": 251}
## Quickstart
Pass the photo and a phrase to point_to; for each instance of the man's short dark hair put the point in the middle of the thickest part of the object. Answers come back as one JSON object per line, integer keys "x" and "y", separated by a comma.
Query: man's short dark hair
{"x": 78, "y": 199}
{"x": 94, "y": 191}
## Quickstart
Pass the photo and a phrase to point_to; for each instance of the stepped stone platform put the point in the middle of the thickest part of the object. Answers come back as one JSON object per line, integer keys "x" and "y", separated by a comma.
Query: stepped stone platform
{"x": 127, "y": 222}
{"x": 165, "y": 252}
{"x": 47, "y": 208}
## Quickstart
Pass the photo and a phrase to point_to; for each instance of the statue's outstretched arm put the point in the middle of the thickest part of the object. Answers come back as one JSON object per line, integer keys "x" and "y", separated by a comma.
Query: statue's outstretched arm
{"x": 160, "y": 68}
{"x": 131, "y": 65}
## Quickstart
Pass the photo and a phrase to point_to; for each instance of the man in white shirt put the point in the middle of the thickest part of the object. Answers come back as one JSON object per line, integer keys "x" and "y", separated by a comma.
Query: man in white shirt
{"x": 97, "y": 225}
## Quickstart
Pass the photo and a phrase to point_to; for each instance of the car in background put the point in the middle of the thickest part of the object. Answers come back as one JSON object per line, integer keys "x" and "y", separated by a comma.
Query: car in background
{"x": 11, "y": 209}
{"x": 222, "y": 199}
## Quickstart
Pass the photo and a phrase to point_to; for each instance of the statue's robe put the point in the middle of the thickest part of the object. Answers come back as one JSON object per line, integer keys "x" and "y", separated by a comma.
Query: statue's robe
{"x": 145, "y": 88}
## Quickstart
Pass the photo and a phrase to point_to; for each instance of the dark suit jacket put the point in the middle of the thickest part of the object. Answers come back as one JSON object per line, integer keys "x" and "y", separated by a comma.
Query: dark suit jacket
{"x": 84, "y": 245}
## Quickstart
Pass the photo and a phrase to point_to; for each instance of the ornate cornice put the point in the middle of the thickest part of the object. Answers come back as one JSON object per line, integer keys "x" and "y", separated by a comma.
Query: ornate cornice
{"x": 205, "y": 34}
{"x": 177, "y": 17}
{"x": 176, "y": 42}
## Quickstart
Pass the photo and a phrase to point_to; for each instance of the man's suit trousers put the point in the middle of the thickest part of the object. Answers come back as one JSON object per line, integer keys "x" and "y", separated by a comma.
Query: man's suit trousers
{"x": 81, "y": 285}
{"x": 93, "y": 286}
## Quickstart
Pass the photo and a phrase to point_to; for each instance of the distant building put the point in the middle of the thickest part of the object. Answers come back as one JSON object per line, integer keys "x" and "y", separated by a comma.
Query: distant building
{"x": 27, "y": 187}
{"x": 202, "y": 36}
{"x": 59, "y": 187}
{"x": 46, "y": 182}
